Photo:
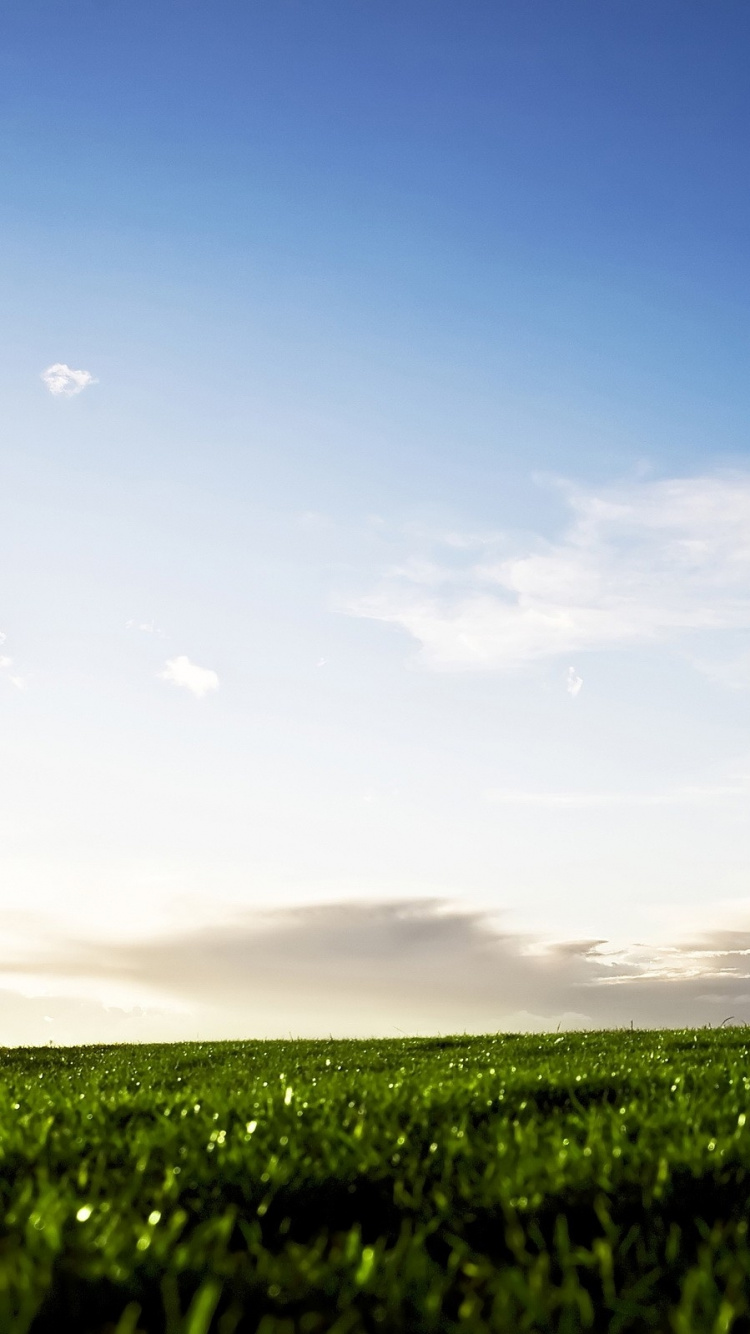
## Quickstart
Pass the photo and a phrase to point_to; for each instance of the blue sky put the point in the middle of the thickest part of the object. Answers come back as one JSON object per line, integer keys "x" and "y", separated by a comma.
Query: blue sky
{"x": 395, "y": 559}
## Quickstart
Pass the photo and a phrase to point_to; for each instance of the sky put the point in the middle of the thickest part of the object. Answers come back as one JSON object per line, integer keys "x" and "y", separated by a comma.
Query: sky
{"x": 374, "y": 517}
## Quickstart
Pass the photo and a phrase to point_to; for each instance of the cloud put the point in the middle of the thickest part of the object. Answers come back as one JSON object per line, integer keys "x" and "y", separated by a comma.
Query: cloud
{"x": 63, "y": 1020}
{"x": 645, "y": 563}
{"x": 732, "y": 671}
{"x": 573, "y": 682}
{"x": 5, "y": 665}
{"x": 145, "y": 627}
{"x": 63, "y": 381}
{"x": 572, "y": 800}
{"x": 342, "y": 968}
{"x": 414, "y": 965}
{"x": 182, "y": 672}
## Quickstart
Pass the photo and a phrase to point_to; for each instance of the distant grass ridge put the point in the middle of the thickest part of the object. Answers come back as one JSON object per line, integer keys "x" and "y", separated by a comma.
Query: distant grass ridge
{"x": 559, "y": 1183}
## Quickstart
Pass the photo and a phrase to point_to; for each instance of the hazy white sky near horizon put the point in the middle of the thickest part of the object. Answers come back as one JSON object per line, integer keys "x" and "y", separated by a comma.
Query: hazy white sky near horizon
{"x": 375, "y": 513}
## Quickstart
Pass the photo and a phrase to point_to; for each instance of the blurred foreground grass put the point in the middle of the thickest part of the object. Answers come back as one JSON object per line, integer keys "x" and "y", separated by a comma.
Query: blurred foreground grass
{"x": 560, "y": 1183}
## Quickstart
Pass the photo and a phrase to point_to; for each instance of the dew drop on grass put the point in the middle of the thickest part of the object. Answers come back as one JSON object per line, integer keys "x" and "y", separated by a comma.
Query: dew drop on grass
{"x": 365, "y": 1266}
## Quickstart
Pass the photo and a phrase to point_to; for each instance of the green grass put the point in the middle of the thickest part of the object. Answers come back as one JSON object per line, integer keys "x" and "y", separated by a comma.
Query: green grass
{"x": 592, "y": 1181}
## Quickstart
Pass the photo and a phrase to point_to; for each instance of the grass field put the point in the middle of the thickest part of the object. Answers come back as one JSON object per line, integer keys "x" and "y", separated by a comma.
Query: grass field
{"x": 591, "y": 1181}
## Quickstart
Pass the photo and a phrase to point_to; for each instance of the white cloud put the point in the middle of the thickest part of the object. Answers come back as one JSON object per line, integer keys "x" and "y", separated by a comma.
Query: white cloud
{"x": 62, "y": 380}
{"x": 5, "y": 665}
{"x": 145, "y": 627}
{"x": 643, "y": 563}
{"x": 573, "y": 682}
{"x": 182, "y": 672}
{"x": 572, "y": 800}
{"x": 733, "y": 672}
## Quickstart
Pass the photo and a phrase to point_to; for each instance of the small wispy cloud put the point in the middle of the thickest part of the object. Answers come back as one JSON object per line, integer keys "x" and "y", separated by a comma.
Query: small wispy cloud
{"x": 6, "y": 664}
{"x": 145, "y": 627}
{"x": 731, "y": 671}
{"x": 582, "y": 800}
{"x": 182, "y": 672}
{"x": 63, "y": 381}
{"x": 500, "y": 796}
{"x": 573, "y": 682}
{"x": 643, "y": 563}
